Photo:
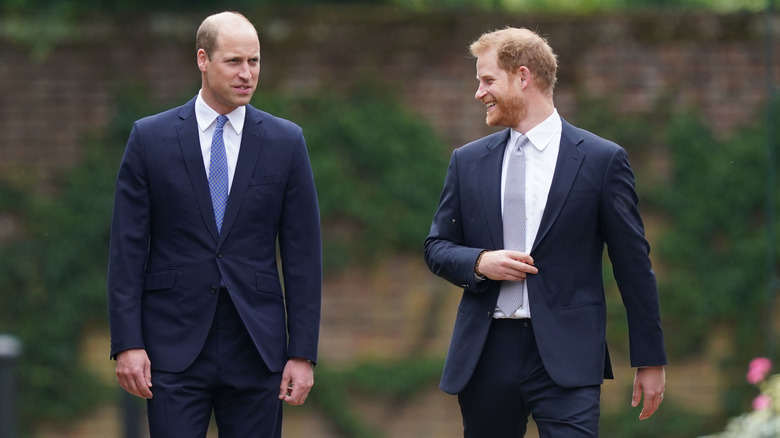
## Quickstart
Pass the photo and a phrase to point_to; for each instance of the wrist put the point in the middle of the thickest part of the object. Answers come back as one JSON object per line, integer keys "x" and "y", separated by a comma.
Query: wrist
{"x": 477, "y": 273}
{"x": 303, "y": 359}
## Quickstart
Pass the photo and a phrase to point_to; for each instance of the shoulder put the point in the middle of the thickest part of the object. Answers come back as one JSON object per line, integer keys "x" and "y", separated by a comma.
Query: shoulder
{"x": 166, "y": 119}
{"x": 587, "y": 141}
{"x": 272, "y": 123}
{"x": 484, "y": 144}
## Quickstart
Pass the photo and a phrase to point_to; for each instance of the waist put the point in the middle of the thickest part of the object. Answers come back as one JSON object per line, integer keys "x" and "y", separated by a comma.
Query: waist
{"x": 511, "y": 322}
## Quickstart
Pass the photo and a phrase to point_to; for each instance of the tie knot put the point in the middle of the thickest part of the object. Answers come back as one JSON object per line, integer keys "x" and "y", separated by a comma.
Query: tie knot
{"x": 521, "y": 141}
{"x": 221, "y": 120}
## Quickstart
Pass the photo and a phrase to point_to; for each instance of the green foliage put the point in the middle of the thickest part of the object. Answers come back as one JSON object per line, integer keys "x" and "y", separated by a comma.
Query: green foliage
{"x": 378, "y": 170}
{"x": 582, "y": 5}
{"x": 399, "y": 380}
{"x": 53, "y": 280}
{"x": 716, "y": 249}
{"x": 377, "y": 167}
{"x": 709, "y": 210}
{"x": 82, "y": 7}
{"x": 712, "y": 209}
{"x": 716, "y": 243}
{"x": 672, "y": 420}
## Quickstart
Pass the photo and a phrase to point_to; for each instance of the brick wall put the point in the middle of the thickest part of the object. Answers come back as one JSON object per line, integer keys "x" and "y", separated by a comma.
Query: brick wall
{"x": 709, "y": 62}
{"x": 49, "y": 104}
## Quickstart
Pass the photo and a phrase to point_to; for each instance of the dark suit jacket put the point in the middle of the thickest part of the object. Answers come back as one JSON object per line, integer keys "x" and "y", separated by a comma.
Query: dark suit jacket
{"x": 166, "y": 257}
{"x": 592, "y": 202}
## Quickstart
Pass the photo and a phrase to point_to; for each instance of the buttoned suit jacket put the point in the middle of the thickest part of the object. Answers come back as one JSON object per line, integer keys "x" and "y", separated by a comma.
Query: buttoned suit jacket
{"x": 167, "y": 258}
{"x": 592, "y": 203}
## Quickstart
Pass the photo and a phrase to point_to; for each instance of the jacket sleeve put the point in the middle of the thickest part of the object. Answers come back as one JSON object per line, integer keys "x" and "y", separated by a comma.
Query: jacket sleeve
{"x": 629, "y": 253}
{"x": 301, "y": 253}
{"x": 446, "y": 252}
{"x": 128, "y": 247}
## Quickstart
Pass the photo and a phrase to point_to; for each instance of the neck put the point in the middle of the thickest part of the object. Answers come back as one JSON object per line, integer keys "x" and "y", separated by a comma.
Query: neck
{"x": 538, "y": 112}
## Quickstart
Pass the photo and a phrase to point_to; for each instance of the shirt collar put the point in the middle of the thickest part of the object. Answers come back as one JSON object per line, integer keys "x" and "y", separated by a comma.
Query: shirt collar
{"x": 206, "y": 116}
{"x": 541, "y": 134}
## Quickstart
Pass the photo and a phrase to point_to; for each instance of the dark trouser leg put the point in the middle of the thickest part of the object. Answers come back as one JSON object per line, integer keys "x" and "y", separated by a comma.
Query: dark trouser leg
{"x": 228, "y": 377}
{"x": 246, "y": 403}
{"x": 510, "y": 383}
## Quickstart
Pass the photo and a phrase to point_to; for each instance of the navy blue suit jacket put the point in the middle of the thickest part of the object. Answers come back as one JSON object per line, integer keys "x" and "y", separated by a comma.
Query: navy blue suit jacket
{"x": 167, "y": 258}
{"x": 592, "y": 202}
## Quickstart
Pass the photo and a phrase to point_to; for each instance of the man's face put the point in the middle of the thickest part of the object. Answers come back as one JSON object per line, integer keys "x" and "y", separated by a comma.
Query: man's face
{"x": 498, "y": 90}
{"x": 230, "y": 75}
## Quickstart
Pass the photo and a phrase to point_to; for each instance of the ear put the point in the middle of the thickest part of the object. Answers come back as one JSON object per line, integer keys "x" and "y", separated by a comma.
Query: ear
{"x": 202, "y": 59}
{"x": 524, "y": 74}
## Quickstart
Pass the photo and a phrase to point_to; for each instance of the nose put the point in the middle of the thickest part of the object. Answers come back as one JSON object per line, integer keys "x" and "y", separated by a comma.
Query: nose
{"x": 246, "y": 71}
{"x": 480, "y": 93}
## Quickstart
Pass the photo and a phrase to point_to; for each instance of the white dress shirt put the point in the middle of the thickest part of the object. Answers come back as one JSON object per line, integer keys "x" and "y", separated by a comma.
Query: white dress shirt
{"x": 540, "y": 168}
{"x": 231, "y": 134}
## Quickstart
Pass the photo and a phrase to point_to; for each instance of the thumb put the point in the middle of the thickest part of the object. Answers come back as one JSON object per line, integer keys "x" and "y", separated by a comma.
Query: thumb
{"x": 148, "y": 374}
{"x": 636, "y": 396}
{"x": 284, "y": 388}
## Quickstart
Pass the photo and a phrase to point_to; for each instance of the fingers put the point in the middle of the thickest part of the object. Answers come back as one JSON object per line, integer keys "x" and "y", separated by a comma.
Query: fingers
{"x": 137, "y": 384}
{"x": 507, "y": 265}
{"x": 134, "y": 372}
{"x": 649, "y": 384}
{"x": 285, "y": 387}
{"x": 636, "y": 396}
{"x": 650, "y": 405}
{"x": 296, "y": 395}
{"x": 297, "y": 381}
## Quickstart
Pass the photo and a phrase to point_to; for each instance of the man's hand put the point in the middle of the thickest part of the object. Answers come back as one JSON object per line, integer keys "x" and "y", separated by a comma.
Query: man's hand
{"x": 650, "y": 381}
{"x": 134, "y": 372}
{"x": 507, "y": 265}
{"x": 297, "y": 380}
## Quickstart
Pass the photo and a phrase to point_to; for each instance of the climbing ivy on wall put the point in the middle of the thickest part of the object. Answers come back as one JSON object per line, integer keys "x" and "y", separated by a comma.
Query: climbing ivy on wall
{"x": 378, "y": 169}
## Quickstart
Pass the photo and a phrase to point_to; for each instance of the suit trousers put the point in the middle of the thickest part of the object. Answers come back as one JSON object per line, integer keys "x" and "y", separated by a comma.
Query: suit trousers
{"x": 228, "y": 378}
{"x": 510, "y": 383}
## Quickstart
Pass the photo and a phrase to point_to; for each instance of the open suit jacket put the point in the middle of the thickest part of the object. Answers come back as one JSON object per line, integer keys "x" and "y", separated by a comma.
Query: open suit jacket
{"x": 592, "y": 202}
{"x": 167, "y": 258}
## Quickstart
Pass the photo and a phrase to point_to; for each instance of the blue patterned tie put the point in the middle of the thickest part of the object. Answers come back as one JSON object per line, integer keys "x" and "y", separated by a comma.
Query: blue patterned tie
{"x": 511, "y": 297}
{"x": 218, "y": 173}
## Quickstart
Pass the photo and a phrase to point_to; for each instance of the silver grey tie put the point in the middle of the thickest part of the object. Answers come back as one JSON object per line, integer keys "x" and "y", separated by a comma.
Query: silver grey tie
{"x": 511, "y": 297}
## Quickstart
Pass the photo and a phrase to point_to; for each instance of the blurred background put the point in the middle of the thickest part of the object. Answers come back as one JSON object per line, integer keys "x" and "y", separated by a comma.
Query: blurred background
{"x": 384, "y": 92}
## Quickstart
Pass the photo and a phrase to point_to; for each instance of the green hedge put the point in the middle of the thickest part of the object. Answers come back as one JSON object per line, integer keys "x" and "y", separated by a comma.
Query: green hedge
{"x": 378, "y": 170}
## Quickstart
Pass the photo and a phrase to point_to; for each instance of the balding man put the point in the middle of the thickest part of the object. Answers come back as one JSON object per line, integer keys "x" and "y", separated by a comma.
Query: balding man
{"x": 200, "y": 321}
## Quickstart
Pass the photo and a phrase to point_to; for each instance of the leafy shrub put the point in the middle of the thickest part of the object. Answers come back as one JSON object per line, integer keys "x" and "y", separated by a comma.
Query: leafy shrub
{"x": 378, "y": 170}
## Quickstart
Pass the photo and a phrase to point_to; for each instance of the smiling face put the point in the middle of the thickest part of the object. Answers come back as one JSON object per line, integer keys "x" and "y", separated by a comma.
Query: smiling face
{"x": 500, "y": 92}
{"x": 229, "y": 75}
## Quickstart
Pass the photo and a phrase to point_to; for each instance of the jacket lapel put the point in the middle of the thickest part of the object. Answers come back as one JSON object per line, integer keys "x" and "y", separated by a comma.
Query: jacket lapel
{"x": 490, "y": 185}
{"x": 569, "y": 161}
{"x": 189, "y": 142}
{"x": 251, "y": 140}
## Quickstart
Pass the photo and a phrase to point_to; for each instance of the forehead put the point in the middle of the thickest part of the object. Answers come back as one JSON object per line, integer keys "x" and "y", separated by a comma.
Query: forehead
{"x": 487, "y": 65}
{"x": 238, "y": 39}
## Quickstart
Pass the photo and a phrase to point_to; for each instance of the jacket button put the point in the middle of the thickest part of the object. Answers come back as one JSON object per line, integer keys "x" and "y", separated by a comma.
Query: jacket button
{"x": 213, "y": 289}
{"x": 219, "y": 255}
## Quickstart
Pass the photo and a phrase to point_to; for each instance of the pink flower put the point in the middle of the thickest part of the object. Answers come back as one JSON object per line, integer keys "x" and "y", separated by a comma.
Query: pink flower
{"x": 758, "y": 369}
{"x": 763, "y": 401}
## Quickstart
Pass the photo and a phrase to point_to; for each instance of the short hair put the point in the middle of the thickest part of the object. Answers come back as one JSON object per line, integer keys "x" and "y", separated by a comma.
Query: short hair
{"x": 516, "y": 47}
{"x": 206, "y": 38}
